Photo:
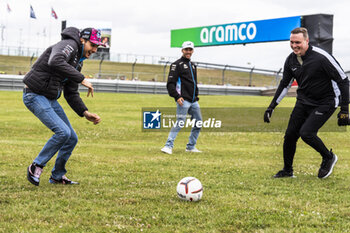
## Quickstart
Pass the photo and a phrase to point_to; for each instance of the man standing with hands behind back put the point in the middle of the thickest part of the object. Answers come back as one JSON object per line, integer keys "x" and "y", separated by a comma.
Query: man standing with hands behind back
{"x": 322, "y": 87}
{"x": 182, "y": 86}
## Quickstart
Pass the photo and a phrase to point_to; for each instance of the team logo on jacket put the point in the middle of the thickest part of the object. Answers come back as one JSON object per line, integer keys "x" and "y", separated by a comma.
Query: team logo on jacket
{"x": 173, "y": 67}
{"x": 185, "y": 66}
{"x": 67, "y": 50}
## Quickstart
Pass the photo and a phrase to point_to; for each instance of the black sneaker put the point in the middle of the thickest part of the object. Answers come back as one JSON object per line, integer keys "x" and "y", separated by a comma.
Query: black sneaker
{"x": 33, "y": 173}
{"x": 327, "y": 166}
{"x": 284, "y": 174}
{"x": 63, "y": 180}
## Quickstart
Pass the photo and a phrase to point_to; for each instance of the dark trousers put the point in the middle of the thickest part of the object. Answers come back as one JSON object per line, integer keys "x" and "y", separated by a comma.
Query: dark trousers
{"x": 304, "y": 122}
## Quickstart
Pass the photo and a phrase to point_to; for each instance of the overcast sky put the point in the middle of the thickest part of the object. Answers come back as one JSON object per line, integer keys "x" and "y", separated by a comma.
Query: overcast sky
{"x": 143, "y": 27}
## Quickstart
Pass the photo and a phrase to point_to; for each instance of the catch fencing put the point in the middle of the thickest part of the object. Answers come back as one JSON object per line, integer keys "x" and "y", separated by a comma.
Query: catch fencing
{"x": 116, "y": 57}
{"x": 14, "y": 83}
{"x": 132, "y": 67}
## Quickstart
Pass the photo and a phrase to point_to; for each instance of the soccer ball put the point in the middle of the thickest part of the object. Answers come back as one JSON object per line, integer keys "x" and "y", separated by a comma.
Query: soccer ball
{"x": 189, "y": 189}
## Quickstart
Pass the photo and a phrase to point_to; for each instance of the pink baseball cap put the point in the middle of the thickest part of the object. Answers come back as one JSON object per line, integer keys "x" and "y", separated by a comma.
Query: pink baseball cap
{"x": 93, "y": 35}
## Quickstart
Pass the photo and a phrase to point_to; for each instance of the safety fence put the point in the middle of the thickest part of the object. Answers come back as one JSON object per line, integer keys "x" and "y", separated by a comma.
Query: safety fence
{"x": 274, "y": 74}
{"x": 14, "y": 82}
{"x": 139, "y": 68}
{"x": 149, "y": 68}
{"x": 116, "y": 57}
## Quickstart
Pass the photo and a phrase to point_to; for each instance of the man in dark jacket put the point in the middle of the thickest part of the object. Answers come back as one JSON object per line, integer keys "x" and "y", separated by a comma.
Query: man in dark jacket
{"x": 323, "y": 86}
{"x": 182, "y": 86}
{"x": 56, "y": 70}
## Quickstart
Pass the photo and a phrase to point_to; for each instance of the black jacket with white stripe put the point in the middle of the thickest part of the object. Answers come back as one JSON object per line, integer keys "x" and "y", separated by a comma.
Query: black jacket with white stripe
{"x": 321, "y": 80}
{"x": 182, "y": 80}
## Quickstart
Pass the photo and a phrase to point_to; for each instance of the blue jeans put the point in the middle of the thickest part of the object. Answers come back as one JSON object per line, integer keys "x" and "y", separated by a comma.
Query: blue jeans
{"x": 192, "y": 109}
{"x": 51, "y": 114}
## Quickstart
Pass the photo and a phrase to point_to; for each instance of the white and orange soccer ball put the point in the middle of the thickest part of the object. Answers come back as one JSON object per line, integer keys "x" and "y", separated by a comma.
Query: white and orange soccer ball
{"x": 189, "y": 189}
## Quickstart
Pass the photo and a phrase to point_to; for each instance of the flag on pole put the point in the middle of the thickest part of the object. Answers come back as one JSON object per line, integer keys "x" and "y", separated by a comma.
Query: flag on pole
{"x": 32, "y": 14}
{"x": 8, "y": 8}
{"x": 53, "y": 13}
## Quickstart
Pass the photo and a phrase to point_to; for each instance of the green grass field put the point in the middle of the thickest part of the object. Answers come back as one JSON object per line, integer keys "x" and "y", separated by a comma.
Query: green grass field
{"x": 128, "y": 185}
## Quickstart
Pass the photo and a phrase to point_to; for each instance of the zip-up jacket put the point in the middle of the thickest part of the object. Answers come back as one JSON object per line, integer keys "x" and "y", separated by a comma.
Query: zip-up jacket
{"x": 321, "y": 80}
{"x": 182, "y": 80}
{"x": 57, "y": 69}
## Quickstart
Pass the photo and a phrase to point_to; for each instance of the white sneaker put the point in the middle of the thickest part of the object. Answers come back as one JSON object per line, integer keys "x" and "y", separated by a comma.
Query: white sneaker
{"x": 194, "y": 150}
{"x": 167, "y": 150}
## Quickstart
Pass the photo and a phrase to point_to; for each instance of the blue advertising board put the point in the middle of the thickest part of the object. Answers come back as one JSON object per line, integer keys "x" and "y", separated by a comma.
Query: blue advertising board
{"x": 237, "y": 33}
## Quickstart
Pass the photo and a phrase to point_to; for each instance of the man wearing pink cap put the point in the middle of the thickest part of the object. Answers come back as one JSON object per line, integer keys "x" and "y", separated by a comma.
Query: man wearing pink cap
{"x": 56, "y": 70}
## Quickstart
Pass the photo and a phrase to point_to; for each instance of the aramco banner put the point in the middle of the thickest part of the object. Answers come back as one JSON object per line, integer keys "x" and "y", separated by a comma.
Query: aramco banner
{"x": 237, "y": 33}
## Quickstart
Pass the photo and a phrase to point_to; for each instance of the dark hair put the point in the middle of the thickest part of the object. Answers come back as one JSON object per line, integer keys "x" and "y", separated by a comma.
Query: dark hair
{"x": 301, "y": 30}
